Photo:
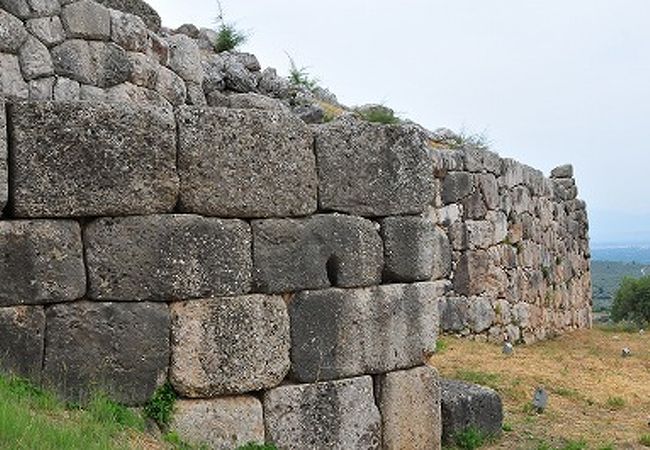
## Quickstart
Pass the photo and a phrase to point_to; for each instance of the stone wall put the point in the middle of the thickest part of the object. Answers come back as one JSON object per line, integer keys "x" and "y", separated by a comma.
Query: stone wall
{"x": 169, "y": 216}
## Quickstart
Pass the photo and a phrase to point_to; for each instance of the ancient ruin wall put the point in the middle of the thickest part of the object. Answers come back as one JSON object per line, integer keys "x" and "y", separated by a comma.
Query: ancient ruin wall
{"x": 289, "y": 280}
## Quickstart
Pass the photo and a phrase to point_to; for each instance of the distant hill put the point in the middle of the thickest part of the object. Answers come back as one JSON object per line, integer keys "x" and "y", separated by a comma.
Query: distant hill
{"x": 624, "y": 253}
{"x": 606, "y": 277}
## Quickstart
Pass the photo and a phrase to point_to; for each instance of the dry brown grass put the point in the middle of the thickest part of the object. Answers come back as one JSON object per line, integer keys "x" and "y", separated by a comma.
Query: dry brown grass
{"x": 595, "y": 395}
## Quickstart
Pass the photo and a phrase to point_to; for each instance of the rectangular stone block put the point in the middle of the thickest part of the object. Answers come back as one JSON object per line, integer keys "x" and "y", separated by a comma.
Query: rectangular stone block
{"x": 22, "y": 338}
{"x": 167, "y": 257}
{"x": 373, "y": 170}
{"x": 91, "y": 159}
{"x": 336, "y": 415}
{"x": 121, "y": 349}
{"x": 320, "y": 251}
{"x": 229, "y": 345}
{"x": 409, "y": 402}
{"x": 221, "y": 423}
{"x": 245, "y": 163}
{"x": 339, "y": 333}
{"x": 41, "y": 261}
{"x": 415, "y": 249}
{"x": 4, "y": 180}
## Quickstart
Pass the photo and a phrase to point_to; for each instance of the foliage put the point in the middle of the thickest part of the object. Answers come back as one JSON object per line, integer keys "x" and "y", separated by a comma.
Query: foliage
{"x": 228, "y": 36}
{"x": 254, "y": 446}
{"x": 382, "y": 115}
{"x": 615, "y": 403}
{"x": 645, "y": 440}
{"x": 31, "y": 417}
{"x": 469, "y": 439}
{"x": 632, "y": 301}
{"x": 606, "y": 278}
{"x": 177, "y": 443}
{"x": 161, "y": 405}
{"x": 300, "y": 77}
{"x": 477, "y": 377}
{"x": 441, "y": 345}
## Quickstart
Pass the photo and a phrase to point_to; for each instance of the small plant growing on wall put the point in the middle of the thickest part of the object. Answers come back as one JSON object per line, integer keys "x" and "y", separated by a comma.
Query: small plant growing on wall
{"x": 228, "y": 36}
{"x": 300, "y": 77}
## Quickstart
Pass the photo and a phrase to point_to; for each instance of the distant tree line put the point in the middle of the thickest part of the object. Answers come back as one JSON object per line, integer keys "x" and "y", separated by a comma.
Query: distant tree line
{"x": 632, "y": 301}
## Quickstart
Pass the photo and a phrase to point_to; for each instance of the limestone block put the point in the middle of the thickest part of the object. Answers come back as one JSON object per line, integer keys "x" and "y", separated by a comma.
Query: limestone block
{"x": 336, "y": 415}
{"x": 408, "y": 248}
{"x": 19, "y": 8}
{"x": 478, "y": 160}
{"x": 22, "y": 338}
{"x": 145, "y": 70}
{"x": 338, "y": 333}
{"x": 474, "y": 206}
{"x": 41, "y": 261}
{"x": 138, "y": 7}
{"x": 42, "y": 8}
{"x": 565, "y": 171}
{"x": 49, "y": 30}
{"x": 221, "y": 423}
{"x": 12, "y": 32}
{"x": 185, "y": 58}
{"x": 229, "y": 345}
{"x": 170, "y": 86}
{"x": 81, "y": 159}
{"x": 409, "y": 402}
{"x": 467, "y": 405}
{"x": 167, "y": 257}
{"x": 129, "y": 31}
{"x": 456, "y": 186}
{"x": 35, "y": 60}
{"x": 487, "y": 183}
{"x": 317, "y": 252}
{"x": 41, "y": 89}
{"x": 4, "y": 179}
{"x": 86, "y": 19}
{"x": 99, "y": 64}
{"x": 475, "y": 274}
{"x": 245, "y": 163}
{"x": 373, "y": 170}
{"x": 66, "y": 90}
{"x": 118, "y": 348}
{"x": 480, "y": 314}
{"x": 454, "y": 312}
{"x": 12, "y": 84}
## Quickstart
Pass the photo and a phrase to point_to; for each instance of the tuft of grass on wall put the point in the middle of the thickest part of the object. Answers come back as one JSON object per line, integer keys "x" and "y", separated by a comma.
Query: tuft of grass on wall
{"x": 160, "y": 406}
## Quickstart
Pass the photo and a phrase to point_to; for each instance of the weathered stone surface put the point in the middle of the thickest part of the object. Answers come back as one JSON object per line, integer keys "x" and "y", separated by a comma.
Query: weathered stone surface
{"x": 255, "y": 101}
{"x": 185, "y": 58}
{"x": 80, "y": 159}
{"x": 19, "y": 8}
{"x": 86, "y": 19}
{"x": 12, "y": 33}
{"x": 4, "y": 180}
{"x": 171, "y": 86}
{"x": 22, "y": 338}
{"x": 167, "y": 257}
{"x": 456, "y": 186}
{"x": 229, "y": 345}
{"x": 41, "y": 89}
{"x": 49, "y": 30}
{"x": 42, "y": 8}
{"x": 373, "y": 170}
{"x": 320, "y": 251}
{"x": 222, "y": 423}
{"x": 409, "y": 402}
{"x": 12, "y": 84}
{"x": 138, "y": 7}
{"x": 129, "y": 31}
{"x": 41, "y": 262}
{"x": 66, "y": 90}
{"x": 336, "y": 415}
{"x": 467, "y": 405}
{"x": 565, "y": 171}
{"x": 97, "y": 63}
{"x": 35, "y": 60}
{"x": 145, "y": 70}
{"x": 338, "y": 333}
{"x": 408, "y": 248}
{"x": 118, "y": 348}
{"x": 454, "y": 312}
{"x": 245, "y": 163}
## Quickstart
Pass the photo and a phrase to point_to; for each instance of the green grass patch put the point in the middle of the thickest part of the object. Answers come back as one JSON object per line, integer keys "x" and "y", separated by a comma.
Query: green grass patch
{"x": 381, "y": 115}
{"x": 469, "y": 439}
{"x": 441, "y": 345}
{"x": 478, "y": 377}
{"x": 645, "y": 440}
{"x": 615, "y": 403}
{"x": 161, "y": 405}
{"x": 254, "y": 446}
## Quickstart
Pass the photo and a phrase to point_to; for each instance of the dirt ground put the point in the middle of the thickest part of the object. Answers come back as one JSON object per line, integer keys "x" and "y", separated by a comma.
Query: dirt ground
{"x": 595, "y": 395}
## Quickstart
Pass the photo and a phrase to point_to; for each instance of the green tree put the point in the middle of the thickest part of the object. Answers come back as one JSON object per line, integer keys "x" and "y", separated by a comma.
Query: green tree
{"x": 632, "y": 301}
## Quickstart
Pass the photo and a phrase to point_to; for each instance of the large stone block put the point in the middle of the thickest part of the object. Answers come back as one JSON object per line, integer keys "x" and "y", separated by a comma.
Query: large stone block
{"x": 339, "y": 333}
{"x": 12, "y": 84}
{"x": 4, "y": 176}
{"x": 414, "y": 249}
{"x": 373, "y": 170}
{"x": 118, "y": 348}
{"x": 317, "y": 252}
{"x": 138, "y": 7}
{"x": 222, "y": 423}
{"x": 245, "y": 163}
{"x": 467, "y": 405}
{"x": 167, "y": 257}
{"x": 48, "y": 30}
{"x": 336, "y": 415}
{"x": 35, "y": 60}
{"x": 95, "y": 63}
{"x": 12, "y": 33}
{"x": 86, "y": 19}
{"x": 22, "y": 338}
{"x": 229, "y": 345}
{"x": 185, "y": 58}
{"x": 409, "y": 402}
{"x": 81, "y": 159}
{"x": 41, "y": 261}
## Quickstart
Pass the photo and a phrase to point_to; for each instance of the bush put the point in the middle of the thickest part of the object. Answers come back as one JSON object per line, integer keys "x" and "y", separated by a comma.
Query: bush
{"x": 228, "y": 36}
{"x": 161, "y": 406}
{"x": 300, "y": 76}
{"x": 632, "y": 301}
{"x": 469, "y": 439}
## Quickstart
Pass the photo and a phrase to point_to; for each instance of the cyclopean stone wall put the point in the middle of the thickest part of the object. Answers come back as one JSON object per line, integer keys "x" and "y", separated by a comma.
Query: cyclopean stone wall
{"x": 288, "y": 279}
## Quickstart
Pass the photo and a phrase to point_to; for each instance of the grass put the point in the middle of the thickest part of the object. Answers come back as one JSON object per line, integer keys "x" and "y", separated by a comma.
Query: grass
{"x": 300, "y": 77}
{"x": 380, "y": 114}
{"x": 228, "y": 36}
{"x": 32, "y": 418}
{"x": 161, "y": 405}
{"x": 469, "y": 439}
{"x": 645, "y": 440}
{"x": 596, "y": 398}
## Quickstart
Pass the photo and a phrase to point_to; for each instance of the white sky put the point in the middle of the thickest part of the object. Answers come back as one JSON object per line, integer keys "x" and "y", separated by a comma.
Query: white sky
{"x": 549, "y": 82}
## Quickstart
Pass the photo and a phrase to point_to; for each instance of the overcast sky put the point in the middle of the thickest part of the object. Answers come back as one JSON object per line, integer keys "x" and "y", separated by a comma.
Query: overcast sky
{"x": 549, "y": 82}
